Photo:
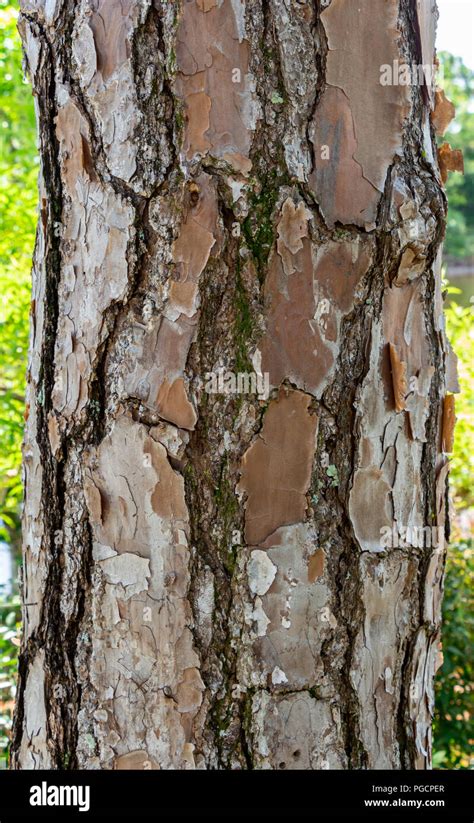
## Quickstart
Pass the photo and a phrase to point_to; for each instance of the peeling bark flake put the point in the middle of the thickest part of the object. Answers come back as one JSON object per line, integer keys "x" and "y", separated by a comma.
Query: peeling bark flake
{"x": 449, "y": 160}
{"x": 360, "y": 122}
{"x": 308, "y": 292}
{"x": 220, "y": 113}
{"x": 443, "y": 113}
{"x": 449, "y": 422}
{"x": 369, "y": 507}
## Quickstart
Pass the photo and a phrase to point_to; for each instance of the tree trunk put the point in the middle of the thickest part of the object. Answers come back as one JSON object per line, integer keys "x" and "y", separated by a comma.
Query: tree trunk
{"x": 235, "y": 451}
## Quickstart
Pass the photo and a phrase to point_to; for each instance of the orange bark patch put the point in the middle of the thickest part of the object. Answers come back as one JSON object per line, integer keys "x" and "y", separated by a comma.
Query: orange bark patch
{"x": 449, "y": 421}
{"x": 183, "y": 296}
{"x": 293, "y": 347}
{"x": 304, "y": 306}
{"x": 399, "y": 379}
{"x": 198, "y": 106}
{"x": 167, "y": 499}
{"x": 276, "y": 469}
{"x": 443, "y": 113}
{"x": 449, "y": 160}
{"x": 403, "y": 324}
{"x": 111, "y": 26}
{"x": 214, "y": 83}
{"x": 360, "y": 123}
{"x": 172, "y": 404}
{"x": 334, "y": 128}
{"x": 315, "y": 565}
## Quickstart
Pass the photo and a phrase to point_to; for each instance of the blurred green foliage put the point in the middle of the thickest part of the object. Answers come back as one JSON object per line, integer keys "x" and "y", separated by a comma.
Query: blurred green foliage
{"x": 18, "y": 172}
{"x": 453, "y": 731}
{"x": 9, "y": 642}
{"x": 18, "y": 196}
{"x": 460, "y": 330}
{"x": 458, "y": 84}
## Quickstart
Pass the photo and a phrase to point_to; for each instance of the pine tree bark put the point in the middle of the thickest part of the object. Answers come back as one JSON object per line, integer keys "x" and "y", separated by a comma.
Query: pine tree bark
{"x": 208, "y": 582}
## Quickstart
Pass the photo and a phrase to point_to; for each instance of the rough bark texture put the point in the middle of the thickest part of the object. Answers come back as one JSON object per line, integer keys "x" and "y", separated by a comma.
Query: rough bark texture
{"x": 226, "y": 183}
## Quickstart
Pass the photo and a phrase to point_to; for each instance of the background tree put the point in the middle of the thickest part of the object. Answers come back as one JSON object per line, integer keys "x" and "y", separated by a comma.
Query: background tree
{"x": 169, "y": 621}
